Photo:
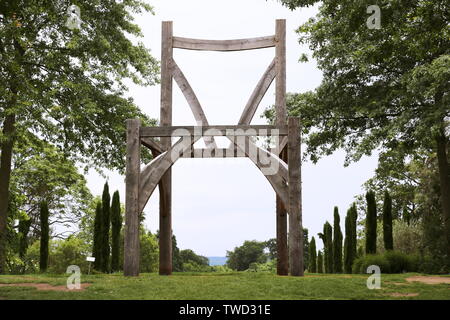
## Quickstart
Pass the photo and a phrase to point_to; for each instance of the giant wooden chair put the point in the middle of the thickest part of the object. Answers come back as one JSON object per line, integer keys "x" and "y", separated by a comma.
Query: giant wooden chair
{"x": 286, "y": 182}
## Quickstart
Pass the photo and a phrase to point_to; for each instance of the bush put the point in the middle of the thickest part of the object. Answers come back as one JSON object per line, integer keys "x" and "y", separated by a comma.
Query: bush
{"x": 360, "y": 265}
{"x": 389, "y": 262}
{"x": 398, "y": 261}
{"x": 62, "y": 253}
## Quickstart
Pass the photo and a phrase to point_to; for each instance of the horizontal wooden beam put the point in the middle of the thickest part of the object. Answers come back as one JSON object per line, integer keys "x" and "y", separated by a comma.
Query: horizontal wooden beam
{"x": 211, "y": 131}
{"x": 224, "y": 45}
{"x": 153, "y": 145}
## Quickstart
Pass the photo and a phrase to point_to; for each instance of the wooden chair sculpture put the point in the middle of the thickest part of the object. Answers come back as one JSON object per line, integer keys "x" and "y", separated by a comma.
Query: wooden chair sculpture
{"x": 286, "y": 182}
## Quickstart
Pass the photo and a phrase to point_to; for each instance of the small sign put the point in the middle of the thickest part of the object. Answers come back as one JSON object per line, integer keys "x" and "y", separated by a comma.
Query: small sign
{"x": 90, "y": 259}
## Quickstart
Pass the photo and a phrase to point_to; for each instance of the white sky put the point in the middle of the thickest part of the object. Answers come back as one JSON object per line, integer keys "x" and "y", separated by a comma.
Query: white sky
{"x": 219, "y": 203}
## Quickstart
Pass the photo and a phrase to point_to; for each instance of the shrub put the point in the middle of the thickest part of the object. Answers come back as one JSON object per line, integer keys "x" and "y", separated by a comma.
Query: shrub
{"x": 360, "y": 265}
{"x": 398, "y": 261}
{"x": 63, "y": 253}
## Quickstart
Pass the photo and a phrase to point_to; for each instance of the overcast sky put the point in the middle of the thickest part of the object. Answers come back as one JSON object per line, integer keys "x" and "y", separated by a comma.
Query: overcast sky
{"x": 219, "y": 203}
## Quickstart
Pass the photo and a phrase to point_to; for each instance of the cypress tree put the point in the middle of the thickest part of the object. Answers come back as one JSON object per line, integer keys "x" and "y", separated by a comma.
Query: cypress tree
{"x": 371, "y": 223}
{"x": 337, "y": 242}
{"x": 24, "y": 228}
{"x": 98, "y": 226}
{"x": 305, "y": 249}
{"x": 106, "y": 219}
{"x": 387, "y": 222}
{"x": 353, "y": 221}
{"x": 319, "y": 262}
{"x": 350, "y": 239}
{"x": 312, "y": 256}
{"x": 45, "y": 234}
{"x": 327, "y": 238}
{"x": 116, "y": 223}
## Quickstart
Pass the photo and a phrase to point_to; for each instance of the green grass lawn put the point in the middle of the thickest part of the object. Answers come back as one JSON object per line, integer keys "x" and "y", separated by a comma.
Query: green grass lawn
{"x": 238, "y": 285}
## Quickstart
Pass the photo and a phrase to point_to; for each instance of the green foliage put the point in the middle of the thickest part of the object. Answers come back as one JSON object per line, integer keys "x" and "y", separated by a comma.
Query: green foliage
{"x": 43, "y": 172}
{"x": 350, "y": 238}
{"x": 45, "y": 237}
{"x": 312, "y": 256}
{"x": 387, "y": 222}
{"x": 327, "y": 238}
{"x": 116, "y": 226}
{"x": 193, "y": 262}
{"x": 177, "y": 262}
{"x": 241, "y": 257}
{"x": 360, "y": 264}
{"x": 149, "y": 252}
{"x": 98, "y": 237}
{"x": 106, "y": 224}
{"x": 382, "y": 90}
{"x": 337, "y": 243}
{"x": 320, "y": 262}
{"x": 389, "y": 262}
{"x": 305, "y": 248}
{"x": 371, "y": 223}
{"x": 269, "y": 266}
{"x": 24, "y": 228}
{"x": 62, "y": 253}
{"x": 69, "y": 84}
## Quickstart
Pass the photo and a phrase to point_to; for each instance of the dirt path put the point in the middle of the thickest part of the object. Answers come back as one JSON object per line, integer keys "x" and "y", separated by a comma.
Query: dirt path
{"x": 45, "y": 286}
{"x": 429, "y": 279}
{"x": 396, "y": 294}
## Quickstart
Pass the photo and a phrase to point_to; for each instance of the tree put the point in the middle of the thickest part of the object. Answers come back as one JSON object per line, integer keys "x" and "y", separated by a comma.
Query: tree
{"x": 106, "y": 220}
{"x": 387, "y": 222}
{"x": 45, "y": 234}
{"x": 327, "y": 238}
{"x": 384, "y": 88}
{"x": 320, "y": 262}
{"x": 24, "y": 228}
{"x": 312, "y": 256}
{"x": 350, "y": 239}
{"x": 42, "y": 172}
{"x": 249, "y": 252}
{"x": 306, "y": 245}
{"x": 337, "y": 243}
{"x": 177, "y": 263}
{"x": 67, "y": 85}
{"x": 116, "y": 223}
{"x": 98, "y": 237}
{"x": 371, "y": 223}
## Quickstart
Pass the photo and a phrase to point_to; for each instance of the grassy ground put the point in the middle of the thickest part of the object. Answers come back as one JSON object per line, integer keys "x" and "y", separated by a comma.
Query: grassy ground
{"x": 239, "y": 285}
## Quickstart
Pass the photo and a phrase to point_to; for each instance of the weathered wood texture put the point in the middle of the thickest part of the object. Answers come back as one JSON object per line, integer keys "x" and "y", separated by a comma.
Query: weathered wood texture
{"x": 210, "y": 131}
{"x": 154, "y": 146}
{"x": 257, "y": 94}
{"x": 131, "y": 252}
{"x": 295, "y": 209}
{"x": 286, "y": 181}
{"x": 282, "y": 241}
{"x": 192, "y": 100}
{"x": 224, "y": 45}
{"x": 280, "y": 67}
{"x": 165, "y": 186}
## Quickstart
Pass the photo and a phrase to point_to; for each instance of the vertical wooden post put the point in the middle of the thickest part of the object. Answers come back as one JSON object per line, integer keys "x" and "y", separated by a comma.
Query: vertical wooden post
{"x": 280, "y": 112}
{"x": 165, "y": 186}
{"x": 280, "y": 67}
{"x": 131, "y": 252}
{"x": 295, "y": 209}
{"x": 282, "y": 246}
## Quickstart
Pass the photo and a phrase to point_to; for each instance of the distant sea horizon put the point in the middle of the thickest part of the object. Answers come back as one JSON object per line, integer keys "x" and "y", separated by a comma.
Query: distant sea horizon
{"x": 217, "y": 261}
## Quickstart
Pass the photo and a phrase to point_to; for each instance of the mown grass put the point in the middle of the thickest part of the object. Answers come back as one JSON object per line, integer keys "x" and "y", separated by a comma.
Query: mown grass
{"x": 238, "y": 285}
